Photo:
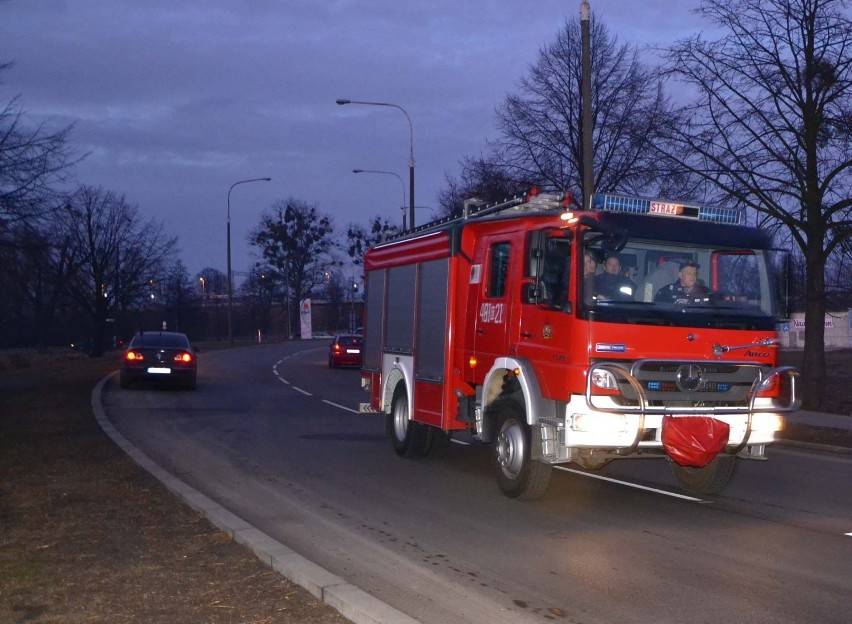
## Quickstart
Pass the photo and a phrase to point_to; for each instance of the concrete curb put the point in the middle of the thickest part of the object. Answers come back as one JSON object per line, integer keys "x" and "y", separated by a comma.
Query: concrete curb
{"x": 813, "y": 446}
{"x": 351, "y": 602}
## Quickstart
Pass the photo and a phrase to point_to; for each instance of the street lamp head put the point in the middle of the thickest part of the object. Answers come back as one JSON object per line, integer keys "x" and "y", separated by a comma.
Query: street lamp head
{"x": 411, "y": 146}
{"x": 357, "y": 171}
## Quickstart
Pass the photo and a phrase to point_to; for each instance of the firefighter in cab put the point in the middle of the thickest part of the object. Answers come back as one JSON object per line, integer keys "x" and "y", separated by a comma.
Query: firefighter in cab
{"x": 685, "y": 288}
{"x": 612, "y": 283}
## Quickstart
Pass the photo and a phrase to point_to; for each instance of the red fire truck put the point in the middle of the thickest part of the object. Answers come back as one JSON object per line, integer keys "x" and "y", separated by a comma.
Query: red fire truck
{"x": 561, "y": 335}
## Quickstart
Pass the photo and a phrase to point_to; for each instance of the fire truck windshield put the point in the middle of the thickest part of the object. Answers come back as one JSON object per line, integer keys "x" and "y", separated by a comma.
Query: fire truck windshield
{"x": 652, "y": 281}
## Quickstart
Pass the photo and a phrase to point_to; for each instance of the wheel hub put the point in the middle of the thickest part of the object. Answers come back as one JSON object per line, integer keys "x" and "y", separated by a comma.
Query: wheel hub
{"x": 510, "y": 450}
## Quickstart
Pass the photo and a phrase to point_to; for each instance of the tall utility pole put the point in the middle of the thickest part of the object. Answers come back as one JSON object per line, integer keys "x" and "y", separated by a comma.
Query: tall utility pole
{"x": 586, "y": 94}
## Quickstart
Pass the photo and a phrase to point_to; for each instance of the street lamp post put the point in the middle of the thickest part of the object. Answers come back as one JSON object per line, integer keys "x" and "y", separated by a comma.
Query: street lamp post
{"x": 400, "y": 181}
{"x": 341, "y": 102}
{"x": 230, "y": 280}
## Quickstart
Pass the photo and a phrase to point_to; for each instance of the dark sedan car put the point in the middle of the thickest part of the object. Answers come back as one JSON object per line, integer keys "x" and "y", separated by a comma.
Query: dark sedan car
{"x": 345, "y": 350}
{"x": 164, "y": 357}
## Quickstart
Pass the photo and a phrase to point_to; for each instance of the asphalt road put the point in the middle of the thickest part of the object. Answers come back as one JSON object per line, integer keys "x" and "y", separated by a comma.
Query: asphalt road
{"x": 272, "y": 434}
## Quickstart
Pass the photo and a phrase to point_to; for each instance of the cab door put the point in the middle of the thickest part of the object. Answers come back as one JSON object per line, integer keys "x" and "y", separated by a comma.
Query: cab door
{"x": 493, "y": 264}
{"x": 545, "y": 313}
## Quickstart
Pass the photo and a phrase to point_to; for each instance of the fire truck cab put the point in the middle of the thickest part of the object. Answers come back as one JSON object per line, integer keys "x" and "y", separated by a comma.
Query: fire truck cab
{"x": 634, "y": 328}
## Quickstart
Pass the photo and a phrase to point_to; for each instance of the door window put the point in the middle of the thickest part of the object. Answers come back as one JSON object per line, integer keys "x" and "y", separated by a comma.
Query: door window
{"x": 498, "y": 270}
{"x": 556, "y": 271}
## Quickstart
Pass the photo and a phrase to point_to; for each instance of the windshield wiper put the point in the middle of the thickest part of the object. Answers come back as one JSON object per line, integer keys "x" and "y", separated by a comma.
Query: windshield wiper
{"x": 718, "y": 349}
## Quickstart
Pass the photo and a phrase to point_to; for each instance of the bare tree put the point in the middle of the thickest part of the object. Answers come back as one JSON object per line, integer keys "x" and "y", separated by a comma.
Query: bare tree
{"x": 178, "y": 294}
{"x": 481, "y": 178}
{"x": 359, "y": 239}
{"x": 296, "y": 242}
{"x": 213, "y": 282}
{"x": 770, "y": 128}
{"x": 38, "y": 267}
{"x": 541, "y": 125}
{"x": 258, "y": 292}
{"x": 34, "y": 161}
{"x": 122, "y": 256}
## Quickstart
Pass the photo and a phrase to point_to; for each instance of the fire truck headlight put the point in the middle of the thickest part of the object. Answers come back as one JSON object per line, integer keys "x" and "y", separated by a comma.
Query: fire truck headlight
{"x": 767, "y": 421}
{"x": 604, "y": 379}
{"x": 601, "y": 424}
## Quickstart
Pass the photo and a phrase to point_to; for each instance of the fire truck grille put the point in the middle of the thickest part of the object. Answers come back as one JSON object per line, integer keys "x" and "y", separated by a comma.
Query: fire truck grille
{"x": 692, "y": 384}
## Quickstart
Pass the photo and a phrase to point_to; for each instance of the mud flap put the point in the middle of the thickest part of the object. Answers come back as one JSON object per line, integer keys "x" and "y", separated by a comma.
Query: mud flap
{"x": 694, "y": 440}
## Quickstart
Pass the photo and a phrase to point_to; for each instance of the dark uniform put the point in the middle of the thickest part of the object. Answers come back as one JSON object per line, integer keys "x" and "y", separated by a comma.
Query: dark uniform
{"x": 677, "y": 292}
{"x": 617, "y": 287}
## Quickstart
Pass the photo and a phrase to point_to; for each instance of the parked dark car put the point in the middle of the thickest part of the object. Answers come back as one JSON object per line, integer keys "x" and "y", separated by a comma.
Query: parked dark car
{"x": 159, "y": 357}
{"x": 345, "y": 350}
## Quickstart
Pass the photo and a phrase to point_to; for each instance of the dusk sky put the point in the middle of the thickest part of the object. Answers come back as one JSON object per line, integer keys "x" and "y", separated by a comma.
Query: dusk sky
{"x": 174, "y": 101}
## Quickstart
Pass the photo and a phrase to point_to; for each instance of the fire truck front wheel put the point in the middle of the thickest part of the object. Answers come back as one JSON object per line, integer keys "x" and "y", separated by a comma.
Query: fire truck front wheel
{"x": 410, "y": 438}
{"x": 710, "y": 479}
{"x": 518, "y": 474}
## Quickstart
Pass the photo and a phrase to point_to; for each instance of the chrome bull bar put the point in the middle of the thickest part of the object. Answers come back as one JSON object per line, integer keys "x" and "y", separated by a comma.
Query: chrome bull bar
{"x": 642, "y": 407}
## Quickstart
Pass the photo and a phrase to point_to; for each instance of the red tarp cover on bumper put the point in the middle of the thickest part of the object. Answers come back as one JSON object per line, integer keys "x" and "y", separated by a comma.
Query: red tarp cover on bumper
{"x": 694, "y": 440}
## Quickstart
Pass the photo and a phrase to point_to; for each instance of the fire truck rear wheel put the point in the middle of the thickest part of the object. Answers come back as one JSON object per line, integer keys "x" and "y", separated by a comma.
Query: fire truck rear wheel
{"x": 710, "y": 479}
{"x": 518, "y": 474}
{"x": 410, "y": 438}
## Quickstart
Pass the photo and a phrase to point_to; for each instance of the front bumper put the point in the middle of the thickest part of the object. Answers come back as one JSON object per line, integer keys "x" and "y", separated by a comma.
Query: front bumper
{"x": 159, "y": 374}
{"x": 601, "y": 422}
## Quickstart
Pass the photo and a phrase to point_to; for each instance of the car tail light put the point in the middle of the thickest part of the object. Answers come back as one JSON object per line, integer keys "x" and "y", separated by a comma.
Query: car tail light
{"x": 183, "y": 358}
{"x": 134, "y": 356}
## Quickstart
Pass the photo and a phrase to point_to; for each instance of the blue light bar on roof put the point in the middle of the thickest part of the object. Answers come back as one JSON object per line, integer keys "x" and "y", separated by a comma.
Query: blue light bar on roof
{"x": 661, "y": 207}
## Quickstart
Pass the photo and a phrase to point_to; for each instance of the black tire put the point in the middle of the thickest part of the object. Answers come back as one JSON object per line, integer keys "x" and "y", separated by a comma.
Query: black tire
{"x": 710, "y": 479}
{"x": 191, "y": 384}
{"x": 410, "y": 439}
{"x": 518, "y": 475}
{"x": 123, "y": 381}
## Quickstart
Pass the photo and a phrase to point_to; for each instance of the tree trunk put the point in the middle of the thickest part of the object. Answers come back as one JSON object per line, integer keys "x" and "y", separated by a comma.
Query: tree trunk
{"x": 813, "y": 373}
{"x": 98, "y": 330}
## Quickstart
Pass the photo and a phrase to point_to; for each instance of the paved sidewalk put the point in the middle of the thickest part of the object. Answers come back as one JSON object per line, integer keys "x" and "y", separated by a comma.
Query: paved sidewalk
{"x": 818, "y": 419}
{"x": 817, "y": 431}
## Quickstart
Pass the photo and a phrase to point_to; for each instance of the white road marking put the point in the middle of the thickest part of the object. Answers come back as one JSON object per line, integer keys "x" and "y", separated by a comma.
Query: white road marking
{"x": 298, "y": 389}
{"x": 633, "y": 485}
{"x": 343, "y": 407}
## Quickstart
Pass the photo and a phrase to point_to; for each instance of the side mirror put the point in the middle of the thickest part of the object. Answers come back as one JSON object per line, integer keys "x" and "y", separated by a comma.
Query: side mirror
{"x": 615, "y": 240}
